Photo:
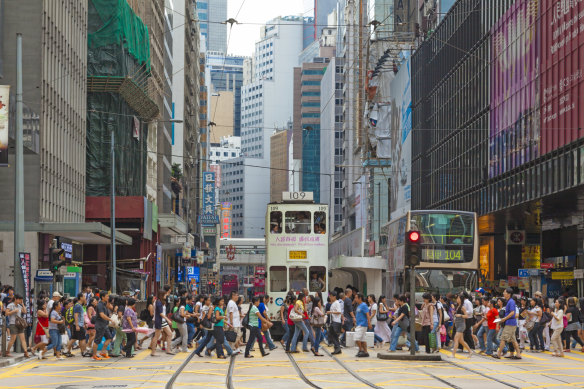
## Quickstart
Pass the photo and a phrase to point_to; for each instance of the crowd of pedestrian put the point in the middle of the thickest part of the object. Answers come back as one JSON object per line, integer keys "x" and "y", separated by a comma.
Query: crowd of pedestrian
{"x": 102, "y": 325}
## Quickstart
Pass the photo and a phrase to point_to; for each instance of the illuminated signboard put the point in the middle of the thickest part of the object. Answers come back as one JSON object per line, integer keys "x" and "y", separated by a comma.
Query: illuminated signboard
{"x": 226, "y": 220}
{"x": 298, "y": 255}
{"x": 439, "y": 255}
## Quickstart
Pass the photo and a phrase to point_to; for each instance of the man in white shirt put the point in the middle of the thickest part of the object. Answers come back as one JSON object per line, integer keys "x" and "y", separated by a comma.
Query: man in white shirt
{"x": 56, "y": 297}
{"x": 234, "y": 319}
{"x": 336, "y": 314}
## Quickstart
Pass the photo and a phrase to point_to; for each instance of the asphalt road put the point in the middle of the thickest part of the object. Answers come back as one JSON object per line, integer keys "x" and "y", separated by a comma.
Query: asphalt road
{"x": 303, "y": 370}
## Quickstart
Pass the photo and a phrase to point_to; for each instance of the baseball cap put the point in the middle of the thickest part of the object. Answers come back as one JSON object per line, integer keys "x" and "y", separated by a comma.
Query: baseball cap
{"x": 57, "y": 294}
{"x": 480, "y": 290}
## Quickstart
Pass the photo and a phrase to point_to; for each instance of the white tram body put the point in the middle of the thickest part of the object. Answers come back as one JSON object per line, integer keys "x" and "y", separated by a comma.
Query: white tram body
{"x": 296, "y": 248}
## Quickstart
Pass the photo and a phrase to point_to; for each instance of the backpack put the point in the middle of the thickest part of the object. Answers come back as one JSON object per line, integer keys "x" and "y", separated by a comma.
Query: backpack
{"x": 245, "y": 321}
{"x": 69, "y": 316}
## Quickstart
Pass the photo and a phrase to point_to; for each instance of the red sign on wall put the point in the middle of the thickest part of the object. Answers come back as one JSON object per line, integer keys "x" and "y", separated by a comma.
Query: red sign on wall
{"x": 545, "y": 265}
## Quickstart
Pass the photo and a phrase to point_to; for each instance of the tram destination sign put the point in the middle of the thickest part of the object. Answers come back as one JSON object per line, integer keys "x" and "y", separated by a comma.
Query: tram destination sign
{"x": 297, "y": 196}
{"x": 441, "y": 255}
{"x": 297, "y": 254}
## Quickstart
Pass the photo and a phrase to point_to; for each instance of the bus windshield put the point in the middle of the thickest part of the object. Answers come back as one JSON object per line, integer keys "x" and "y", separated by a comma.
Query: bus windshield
{"x": 444, "y": 228}
{"x": 444, "y": 281}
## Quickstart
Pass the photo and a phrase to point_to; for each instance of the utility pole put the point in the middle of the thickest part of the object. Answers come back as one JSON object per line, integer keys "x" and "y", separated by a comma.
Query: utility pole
{"x": 19, "y": 176}
{"x": 113, "y": 215}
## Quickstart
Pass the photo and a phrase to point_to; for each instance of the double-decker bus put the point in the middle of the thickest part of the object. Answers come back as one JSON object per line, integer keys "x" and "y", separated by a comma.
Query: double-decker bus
{"x": 450, "y": 252}
{"x": 296, "y": 249}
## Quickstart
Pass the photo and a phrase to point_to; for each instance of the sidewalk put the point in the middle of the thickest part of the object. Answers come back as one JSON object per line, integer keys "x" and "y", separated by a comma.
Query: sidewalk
{"x": 12, "y": 360}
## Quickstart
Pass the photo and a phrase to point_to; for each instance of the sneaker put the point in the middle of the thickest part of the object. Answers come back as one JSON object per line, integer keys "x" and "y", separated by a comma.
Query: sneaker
{"x": 61, "y": 357}
{"x": 96, "y": 358}
{"x": 39, "y": 355}
{"x": 104, "y": 356}
{"x": 360, "y": 354}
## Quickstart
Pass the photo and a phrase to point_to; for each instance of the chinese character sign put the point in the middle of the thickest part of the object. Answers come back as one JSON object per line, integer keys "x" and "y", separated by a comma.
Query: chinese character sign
{"x": 209, "y": 217}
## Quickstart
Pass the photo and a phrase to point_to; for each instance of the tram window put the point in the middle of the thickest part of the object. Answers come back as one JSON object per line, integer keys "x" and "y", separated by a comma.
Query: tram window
{"x": 317, "y": 278}
{"x": 320, "y": 222}
{"x": 278, "y": 279}
{"x": 275, "y": 222}
{"x": 298, "y": 222}
{"x": 297, "y": 277}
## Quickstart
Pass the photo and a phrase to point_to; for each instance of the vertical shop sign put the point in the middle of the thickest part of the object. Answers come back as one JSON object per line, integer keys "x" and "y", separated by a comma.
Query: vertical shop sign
{"x": 4, "y": 113}
{"x": 25, "y": 266}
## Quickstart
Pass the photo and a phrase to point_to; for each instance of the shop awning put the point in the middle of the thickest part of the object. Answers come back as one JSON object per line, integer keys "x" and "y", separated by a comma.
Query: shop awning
{"x": 171, "y": 224}
{"x": 86, "y": 233}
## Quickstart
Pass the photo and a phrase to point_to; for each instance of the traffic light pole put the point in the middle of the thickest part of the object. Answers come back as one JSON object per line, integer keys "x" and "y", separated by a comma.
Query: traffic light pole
{"x": 412, "y": 310}
{"x": 113, "y": 217}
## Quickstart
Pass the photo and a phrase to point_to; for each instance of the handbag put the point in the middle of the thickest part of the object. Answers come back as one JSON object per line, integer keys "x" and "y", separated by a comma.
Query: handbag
{"x": 231, "y": 336}
{"x": 432, "y": 340}
{"x": 115, "y": 321}
{"x": 177, "y": 317}
{"x": 404, "y": 323}
{"x": 545, "y": 318}
{"x": 245, "y": 321}
{"x": 317, "y": 321}
{"x": 20, "y": 323}
{"x": 266, "y": 326}
{"x": 62, "y": 328}
{"x": 529, "y": 325}
{"x": 294, "y": 316}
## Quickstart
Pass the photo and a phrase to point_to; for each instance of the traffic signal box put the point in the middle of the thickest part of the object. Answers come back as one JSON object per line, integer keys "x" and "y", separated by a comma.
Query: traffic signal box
{"x": 413, "y": 251}
{"x": 57, "y": 260}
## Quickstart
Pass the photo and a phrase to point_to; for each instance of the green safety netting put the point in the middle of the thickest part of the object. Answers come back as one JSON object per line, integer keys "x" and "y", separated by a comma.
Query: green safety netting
{"x": 113, "y": 22}
{"x": 130, "y": 152}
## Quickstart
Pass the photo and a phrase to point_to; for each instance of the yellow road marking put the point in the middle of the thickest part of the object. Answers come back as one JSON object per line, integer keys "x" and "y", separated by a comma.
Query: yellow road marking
{"x": 566, "y": 357}
{"x": 11, "y": 371}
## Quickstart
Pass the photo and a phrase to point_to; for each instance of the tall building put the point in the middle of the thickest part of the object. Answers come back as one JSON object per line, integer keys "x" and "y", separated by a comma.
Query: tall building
{"x": 55, "y": 117}
{"x": 264, "y": 108}
{"x": 225, "y": 74}
{"x": 280, "y": 163}
{"x": 332, "y": 138}
{"x": 221, "y": 114}
{"x": 211, "y": 14}
{"x": 318, "y": 12}
{"x": 186, "y": 109}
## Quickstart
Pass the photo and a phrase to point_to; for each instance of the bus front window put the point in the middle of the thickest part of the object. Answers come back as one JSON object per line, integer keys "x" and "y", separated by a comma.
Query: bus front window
{"x": 317, "y": 278}
{"x": 275, "y": 222}
{"x": 320, "y": 222}
{"x": 297, "y": 278}
{"x": 278, "y": 279}
{"x": 298, "y": 222}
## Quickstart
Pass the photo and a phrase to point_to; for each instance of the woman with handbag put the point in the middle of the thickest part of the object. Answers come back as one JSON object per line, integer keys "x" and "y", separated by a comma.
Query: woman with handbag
{"x": 255, "y": 317}
{"x": 218, "y": 331}
{"x": 180, "y": 316}
{"x": 129, "y": 325}
{"x": 297, "y": 315}
{"x": 116, "y": 326}
{"x": 289, "y": 321}
{"x": 41, "y": 335}
{"x": 460, "y": 323}
{"x": 55, "y": 320}
{"x": 373, "y": 309}
{"x": 535, "y": 335}
{"x": 90, "y": 313}
{"x": 557, "y": 326}
{"x": 382, "y": 328}
{"x": 17, "y": 324}
{"x": 317, "y": 322}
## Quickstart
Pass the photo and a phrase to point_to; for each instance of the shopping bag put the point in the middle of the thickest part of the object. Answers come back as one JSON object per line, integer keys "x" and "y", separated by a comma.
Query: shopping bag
{"x": 432, "y": 339}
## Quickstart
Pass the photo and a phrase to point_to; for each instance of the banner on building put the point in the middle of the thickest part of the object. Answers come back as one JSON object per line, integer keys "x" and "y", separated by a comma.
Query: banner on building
{"x": 158, "y": 262}
{"x": 25, "y": 267}
{"x": 401, "y": 145}
{"x": 225, "y": 220}
{"x": 209, "y": 216}
{"x": 4, "y": 116}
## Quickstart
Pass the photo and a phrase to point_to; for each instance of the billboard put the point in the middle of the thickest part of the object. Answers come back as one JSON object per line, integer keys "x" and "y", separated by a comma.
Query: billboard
{"x": 401, "y": 141}
{"x": 225, "y": 220}
{"x": 515, "y": 125}
{"x": 4, "y": 113}
{"x": 562, "y": 72}
{"x": 209, "y": 217}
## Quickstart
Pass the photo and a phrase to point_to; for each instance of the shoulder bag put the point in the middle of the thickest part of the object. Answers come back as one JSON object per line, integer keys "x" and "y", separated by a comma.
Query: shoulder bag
{"x": 381, "y": 316}
{"x": 294, "y": 316}
{"x": 177, "y": 317}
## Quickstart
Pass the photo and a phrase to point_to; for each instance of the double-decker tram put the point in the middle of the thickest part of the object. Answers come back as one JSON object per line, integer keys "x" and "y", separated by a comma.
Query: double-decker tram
{"x": 450, "y": 251}
{"x": 296, "y": 249}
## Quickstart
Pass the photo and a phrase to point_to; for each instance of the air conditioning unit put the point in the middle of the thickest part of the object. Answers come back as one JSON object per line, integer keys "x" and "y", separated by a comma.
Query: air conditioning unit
{"x": 515, "y": 237}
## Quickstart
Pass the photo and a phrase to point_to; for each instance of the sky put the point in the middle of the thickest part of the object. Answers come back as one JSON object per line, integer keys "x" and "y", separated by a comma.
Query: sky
{"x": 243, "y": 36}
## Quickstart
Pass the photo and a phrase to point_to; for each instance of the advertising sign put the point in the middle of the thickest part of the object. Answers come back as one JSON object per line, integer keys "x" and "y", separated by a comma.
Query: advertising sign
{"x": 401, "y": 145}
{"x": 484, "y": 261}
{"x": 562, "y": 73}
{"x": 25, "y": 267}
{"x": 512, "y": 280}
{"x": 515, "y": 132}
{"x": 209, "y": 217}
{"x": 225, "y": 220}
{"x": 531, "y": 256}
{"x": 193, "y": 273}
{"x": 158, "y": 262}
{"x": 4, "y": 113}
{"x": 562, "y": 275}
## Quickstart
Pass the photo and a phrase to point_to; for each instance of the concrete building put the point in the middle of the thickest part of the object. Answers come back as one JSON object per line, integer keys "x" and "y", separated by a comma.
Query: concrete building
{"x": 221, "y": 112}
{"x": 229, "y": 147}
{"x": 225, "y": 73}
{"x": 186, "y": 108}
{"x": 211, "y": 14}
{"x": 281, "y": 163}
{"x": 248, "y": 70}
{"x": 54, "y": 95}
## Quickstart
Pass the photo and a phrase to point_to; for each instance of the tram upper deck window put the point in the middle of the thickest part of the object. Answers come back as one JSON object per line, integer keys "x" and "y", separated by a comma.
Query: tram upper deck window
{"x": 275, "y": 222}
{"x": 317, "y": 279}
{"x": 277, "y": 278}
{"x": 298, "y": 222}
{"x": 320, "y": 222}
{"x": 297, "y": 278}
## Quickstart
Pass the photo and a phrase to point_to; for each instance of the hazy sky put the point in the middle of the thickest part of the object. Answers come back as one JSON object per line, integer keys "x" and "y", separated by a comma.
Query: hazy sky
{"x": 244, "y": 36}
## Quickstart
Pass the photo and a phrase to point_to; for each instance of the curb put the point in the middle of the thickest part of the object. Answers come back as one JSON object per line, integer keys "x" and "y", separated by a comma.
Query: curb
{"x": 11, "y": 361}
{"x": 408, "y": 357}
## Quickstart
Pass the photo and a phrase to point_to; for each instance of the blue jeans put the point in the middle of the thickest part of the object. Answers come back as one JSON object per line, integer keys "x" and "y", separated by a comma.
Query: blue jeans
{"x": 286, "y": 333}
{"x": 191, "y": 332}
{"x": 55, "y": 341}
{"x": 377, "y": 338}
{"x": 482, "y": 330}
{"x": 317, "y": 337}
{"x": 269, "y": 341}
{"x": 206, "y": 340}
{"x": 491, "y": 340}
{"x": 395, "y": 334}
{"x": 226, "y": 346}
{"x": 300, "y": 326}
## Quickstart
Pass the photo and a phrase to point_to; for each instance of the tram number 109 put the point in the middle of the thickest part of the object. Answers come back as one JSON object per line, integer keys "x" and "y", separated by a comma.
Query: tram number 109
{"x": 297, "y": 196}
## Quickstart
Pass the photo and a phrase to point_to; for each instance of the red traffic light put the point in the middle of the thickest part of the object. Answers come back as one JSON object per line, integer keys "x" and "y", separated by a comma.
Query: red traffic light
{"x": 414, "y": 236}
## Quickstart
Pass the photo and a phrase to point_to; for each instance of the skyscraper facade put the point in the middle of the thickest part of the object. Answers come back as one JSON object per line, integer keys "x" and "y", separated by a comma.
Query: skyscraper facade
{"x": 211, "y": 15}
